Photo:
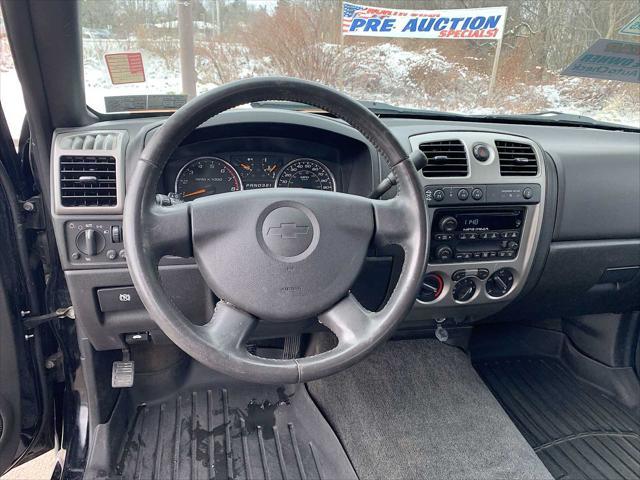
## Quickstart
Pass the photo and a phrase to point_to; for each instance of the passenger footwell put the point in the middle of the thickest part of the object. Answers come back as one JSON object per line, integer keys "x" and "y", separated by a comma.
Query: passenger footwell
{"x": 576, "y": 431}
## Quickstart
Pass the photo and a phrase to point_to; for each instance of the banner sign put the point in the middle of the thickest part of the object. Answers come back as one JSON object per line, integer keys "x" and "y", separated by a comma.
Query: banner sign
{"x": 633, "y": 27}
{"x": 608, "y": 60}
{"x": 459, "y": 24}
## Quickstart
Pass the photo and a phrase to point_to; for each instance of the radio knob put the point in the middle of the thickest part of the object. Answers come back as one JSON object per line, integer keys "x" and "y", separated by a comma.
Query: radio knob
{"x": 90, "y": 242}
{"x": 444, "y": 252}
{"x": 448, "y": 224}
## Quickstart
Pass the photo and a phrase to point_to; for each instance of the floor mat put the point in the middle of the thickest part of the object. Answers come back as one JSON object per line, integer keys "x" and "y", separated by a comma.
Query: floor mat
{"x": 578, "y": 432}
{"x": 417, "y": 409}
{"x": 240, "y": 433}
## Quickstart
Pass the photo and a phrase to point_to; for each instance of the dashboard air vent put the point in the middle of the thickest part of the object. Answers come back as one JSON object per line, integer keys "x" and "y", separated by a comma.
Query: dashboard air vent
{"x": 91, "y": 141}
{"x": 516, "y": 159}
{"x": 445, "y": 159}
{"x": 88, "y": 181}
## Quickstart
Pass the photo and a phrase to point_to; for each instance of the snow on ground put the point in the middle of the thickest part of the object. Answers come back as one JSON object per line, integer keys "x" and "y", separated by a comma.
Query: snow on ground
{"x": 384, "y": 73}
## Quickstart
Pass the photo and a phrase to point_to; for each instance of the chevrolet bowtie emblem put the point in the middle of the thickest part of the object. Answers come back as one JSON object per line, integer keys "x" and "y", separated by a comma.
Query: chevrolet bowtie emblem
{"x": 288, "y": 230}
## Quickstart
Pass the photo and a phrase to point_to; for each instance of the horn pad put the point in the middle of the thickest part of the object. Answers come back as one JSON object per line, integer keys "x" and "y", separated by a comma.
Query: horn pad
{"x": 281, "y": 254}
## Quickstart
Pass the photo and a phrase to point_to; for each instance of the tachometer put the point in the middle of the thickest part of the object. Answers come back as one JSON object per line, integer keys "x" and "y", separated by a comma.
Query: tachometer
{"x": 206, "y": 176}
{"x": 306, "y": 173}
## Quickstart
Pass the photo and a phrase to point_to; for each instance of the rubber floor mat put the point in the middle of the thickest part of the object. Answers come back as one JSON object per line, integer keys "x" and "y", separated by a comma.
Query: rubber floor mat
{"x": 240, "y": 433}
{"x": 578, "y": 432}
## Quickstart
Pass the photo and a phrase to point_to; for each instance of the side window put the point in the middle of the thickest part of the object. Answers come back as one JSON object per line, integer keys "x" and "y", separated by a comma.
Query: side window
{"x": 10, "y": 89}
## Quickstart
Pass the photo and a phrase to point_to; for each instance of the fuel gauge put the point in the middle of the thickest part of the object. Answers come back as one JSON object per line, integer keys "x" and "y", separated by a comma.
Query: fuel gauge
{"x": 270, "y": 165}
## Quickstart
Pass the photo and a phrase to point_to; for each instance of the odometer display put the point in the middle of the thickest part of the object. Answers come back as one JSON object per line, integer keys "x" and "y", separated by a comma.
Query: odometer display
{"x": 306, "y": 173}
{"x": 206, "y": 176}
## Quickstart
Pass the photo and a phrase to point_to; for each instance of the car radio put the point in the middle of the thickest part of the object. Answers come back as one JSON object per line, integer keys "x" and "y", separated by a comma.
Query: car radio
{"x": 459, "y": 235}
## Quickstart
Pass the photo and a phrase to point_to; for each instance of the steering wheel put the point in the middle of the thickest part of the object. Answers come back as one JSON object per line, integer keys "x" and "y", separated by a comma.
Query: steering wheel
{"x": 274, "y": 255}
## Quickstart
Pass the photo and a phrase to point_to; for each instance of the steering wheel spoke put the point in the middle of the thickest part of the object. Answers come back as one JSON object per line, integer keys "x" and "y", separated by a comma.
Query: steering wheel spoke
{"x": 229, "y": 328}
{"x": 392, "y": 225}
{"x": 169, "y": 230}
{"x": 348, "y": 320}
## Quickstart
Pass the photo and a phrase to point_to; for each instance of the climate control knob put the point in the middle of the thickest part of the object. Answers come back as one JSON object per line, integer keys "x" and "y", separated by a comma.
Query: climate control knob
{"x": 444, "y": 252}
{"x": 448, "y": 224}
{"x": 463, "y": 290}
{"x": 431, "y": 288}
{"x": 499, "y": 284}
{"x": 90, "y": 242}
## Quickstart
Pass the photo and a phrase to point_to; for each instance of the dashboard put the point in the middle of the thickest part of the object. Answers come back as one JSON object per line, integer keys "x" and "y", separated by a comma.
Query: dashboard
{"x": 506, "y": 206}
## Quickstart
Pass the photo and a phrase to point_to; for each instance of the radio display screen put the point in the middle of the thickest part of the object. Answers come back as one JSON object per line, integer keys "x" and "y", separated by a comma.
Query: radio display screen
{"x": 489, "y": 221}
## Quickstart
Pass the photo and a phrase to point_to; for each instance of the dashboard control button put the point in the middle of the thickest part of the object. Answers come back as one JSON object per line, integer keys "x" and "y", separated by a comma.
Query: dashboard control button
{"x": 493, "y": 254}
{"x": 438, "y": 195}
{"x": 90, "y": 242}
{"x": 477, "y": 254}
{"x": 458, "y": 275}
{"x": 463, "y": 194}
{"x": 443, "y": 236}
{"x": 513, "y": 245}
{"x": 75, "y": 256}
{"x": 527, "y": 193}
{"x": 481, "y": 152}
{"x": 463, "y": 290}
{"x": 499, "y": 283}
{"x": 444, "y": 252}
{"x": 448, "y": 224}
{"x": 477, "y": 194}
{"x": 112, "y": 254}
{"x": 483, "y": 273}
{"x": 431, "y": 288}
{"x": 122, "y": 254}
{"x": 466, "y": 256}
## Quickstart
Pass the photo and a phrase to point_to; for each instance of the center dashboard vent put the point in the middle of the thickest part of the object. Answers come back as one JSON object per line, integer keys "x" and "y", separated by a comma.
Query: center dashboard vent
{"x": 446, "y": 158}
{"x": 516, "y": 159}
{"x": 88, "y": 181}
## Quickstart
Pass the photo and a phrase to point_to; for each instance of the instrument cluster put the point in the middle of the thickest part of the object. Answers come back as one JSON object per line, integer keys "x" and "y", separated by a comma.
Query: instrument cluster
{"x": 221, "y": 173}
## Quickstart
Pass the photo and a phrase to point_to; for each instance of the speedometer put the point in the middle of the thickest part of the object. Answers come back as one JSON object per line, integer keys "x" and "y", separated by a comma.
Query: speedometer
{"x": 206, "y": 176}
{"x": 306, "y": 173}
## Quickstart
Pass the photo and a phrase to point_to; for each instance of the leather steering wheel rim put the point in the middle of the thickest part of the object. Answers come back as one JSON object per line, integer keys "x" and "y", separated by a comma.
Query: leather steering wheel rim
{"x": 152, "y": 231}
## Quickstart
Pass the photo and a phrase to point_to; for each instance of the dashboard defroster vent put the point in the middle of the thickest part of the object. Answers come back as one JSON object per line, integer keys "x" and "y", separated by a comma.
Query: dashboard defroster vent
{"x": 90, "y": 141}
{"x": 446, "y": 158}
{"x": 516, "y": 159}
{"x": 88, "y": 181}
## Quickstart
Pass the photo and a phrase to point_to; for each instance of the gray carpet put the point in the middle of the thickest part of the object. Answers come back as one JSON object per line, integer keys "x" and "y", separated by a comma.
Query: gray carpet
{"x": 417, "y": 409}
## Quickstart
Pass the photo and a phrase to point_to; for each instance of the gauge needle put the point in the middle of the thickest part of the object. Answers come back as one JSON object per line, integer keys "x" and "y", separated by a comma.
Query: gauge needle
{"x": 197, "y": 192}
{"x": 271, "y": 168}
{"x": 246, "y": 167}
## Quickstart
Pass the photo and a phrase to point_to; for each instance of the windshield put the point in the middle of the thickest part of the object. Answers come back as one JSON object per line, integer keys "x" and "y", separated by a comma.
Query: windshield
{"x": 519, "y": 56}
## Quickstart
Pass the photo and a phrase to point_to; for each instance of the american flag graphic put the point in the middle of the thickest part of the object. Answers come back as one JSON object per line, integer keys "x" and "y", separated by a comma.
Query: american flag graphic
{"x": 351, "y": 11}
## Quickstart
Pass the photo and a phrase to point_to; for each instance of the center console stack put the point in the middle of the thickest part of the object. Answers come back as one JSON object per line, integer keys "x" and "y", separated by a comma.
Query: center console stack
{"x": 485, "y": 198}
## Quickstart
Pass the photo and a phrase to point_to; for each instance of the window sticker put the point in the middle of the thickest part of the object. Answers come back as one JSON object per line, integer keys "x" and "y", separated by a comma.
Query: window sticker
{"x": 125, "y": 67}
